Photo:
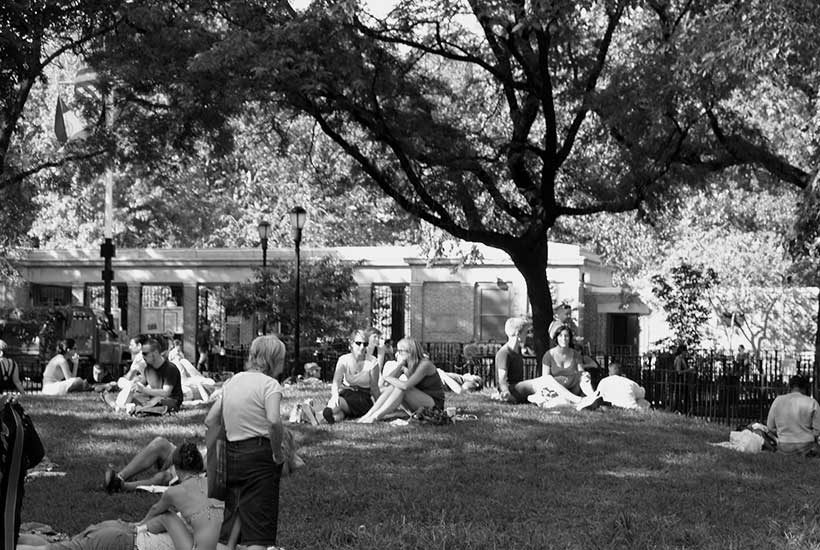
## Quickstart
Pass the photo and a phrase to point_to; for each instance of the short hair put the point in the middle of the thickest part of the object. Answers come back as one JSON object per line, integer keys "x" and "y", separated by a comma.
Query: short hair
{"x": 3, "y": 345}
{"x": 152, "y": 343}
{"x": 139, "y": 339}
{"x": 371, "y": 331}
{"x": 357, "y": 332}
{"x": 65, "y": 345}
{"x": 514, "y": 325}
{"x": 267, "y": 353}
{"x": 614, "y": 369}
{"x": 177, "y": 341}
{"x": 800, "y": 382}
{"x": 187, "y": 457}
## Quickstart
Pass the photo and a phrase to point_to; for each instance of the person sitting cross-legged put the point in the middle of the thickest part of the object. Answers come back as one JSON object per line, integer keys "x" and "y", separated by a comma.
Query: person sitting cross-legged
{"x": 164, "y": 385}
{"x": 411, "y": 381}
{"x": 794, "y": 419}
{"x": 564, "y": 369}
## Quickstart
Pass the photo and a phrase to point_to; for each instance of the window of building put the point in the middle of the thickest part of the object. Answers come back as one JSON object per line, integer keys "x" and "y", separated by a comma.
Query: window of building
{"x": 50, "y": 296}
{"x": 390, "y": 311}
{"x": 495, "y": 306}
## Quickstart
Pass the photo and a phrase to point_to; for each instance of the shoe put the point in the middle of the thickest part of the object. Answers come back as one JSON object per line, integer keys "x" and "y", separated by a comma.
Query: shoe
{"x": 327, "y": 414}
{"x": 113, "y": 482}
{"x": 590, "y": 403}
{"x": 308, "y": 413}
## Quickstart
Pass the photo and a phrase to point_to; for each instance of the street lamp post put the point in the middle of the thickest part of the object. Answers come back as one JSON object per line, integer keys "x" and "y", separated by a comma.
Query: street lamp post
{"x": 263, "y": 229}
{"x": 298, "y": 217}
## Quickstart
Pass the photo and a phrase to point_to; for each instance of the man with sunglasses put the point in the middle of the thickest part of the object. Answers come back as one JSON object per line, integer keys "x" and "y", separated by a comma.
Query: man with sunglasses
{"x": 355, "y": 382}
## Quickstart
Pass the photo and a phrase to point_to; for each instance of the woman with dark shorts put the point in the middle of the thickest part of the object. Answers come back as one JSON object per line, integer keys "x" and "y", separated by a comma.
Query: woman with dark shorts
{"x": 249, "y": 408}
{"x": 355, "y": 382}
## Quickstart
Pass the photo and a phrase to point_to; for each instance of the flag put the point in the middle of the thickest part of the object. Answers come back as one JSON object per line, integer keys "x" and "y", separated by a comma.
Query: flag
{"x": 67, "y": 126}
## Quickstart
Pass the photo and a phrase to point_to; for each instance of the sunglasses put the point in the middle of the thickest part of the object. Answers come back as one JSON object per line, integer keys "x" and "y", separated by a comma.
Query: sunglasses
{"x": 360, "y": 343}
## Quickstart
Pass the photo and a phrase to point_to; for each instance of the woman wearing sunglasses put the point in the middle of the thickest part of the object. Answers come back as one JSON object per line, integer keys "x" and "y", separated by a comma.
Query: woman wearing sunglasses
{"x": 355, "y": 381}
{"x": 412, "y": 380}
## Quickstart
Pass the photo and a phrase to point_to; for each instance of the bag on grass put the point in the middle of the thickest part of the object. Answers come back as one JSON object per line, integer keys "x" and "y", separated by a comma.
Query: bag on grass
{"x": 216, "y": 458}
{"x": 431, "y": 415}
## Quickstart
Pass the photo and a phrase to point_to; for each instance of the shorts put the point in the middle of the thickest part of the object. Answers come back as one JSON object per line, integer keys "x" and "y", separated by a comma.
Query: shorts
{"x": 253, "y": 492}
{"x": 516, "y": 396}
{"x": 358, "y": 401}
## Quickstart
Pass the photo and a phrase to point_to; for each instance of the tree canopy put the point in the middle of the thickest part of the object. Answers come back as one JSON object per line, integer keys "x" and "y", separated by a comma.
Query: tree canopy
{"x": 490, "y": 120}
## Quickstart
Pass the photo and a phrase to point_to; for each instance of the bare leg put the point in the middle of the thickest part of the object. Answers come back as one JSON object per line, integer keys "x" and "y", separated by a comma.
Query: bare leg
{"x": 388, "y": 401}
{"x": 157, "y": 453}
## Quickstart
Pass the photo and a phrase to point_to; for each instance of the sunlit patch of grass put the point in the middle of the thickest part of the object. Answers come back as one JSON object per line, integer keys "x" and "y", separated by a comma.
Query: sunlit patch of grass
{"x": 518, "y": 477}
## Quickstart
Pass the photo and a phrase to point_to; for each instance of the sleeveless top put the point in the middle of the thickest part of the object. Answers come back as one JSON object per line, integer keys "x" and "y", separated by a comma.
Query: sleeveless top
{"x": 432, "y": 386}
{"x": 567, "y": 376}
{"x": 7, "y": 368}
{"x": 360, "y": 379}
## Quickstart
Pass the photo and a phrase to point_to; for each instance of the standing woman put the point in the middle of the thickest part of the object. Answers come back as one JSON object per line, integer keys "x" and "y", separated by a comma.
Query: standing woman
{"x": 60, "y": 374}
{"x": 250, "y": 409}
{"x": 412, "y": 381}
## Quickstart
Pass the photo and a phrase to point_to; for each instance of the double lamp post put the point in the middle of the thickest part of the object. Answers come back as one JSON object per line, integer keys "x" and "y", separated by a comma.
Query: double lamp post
{"x": 298, "y": 218}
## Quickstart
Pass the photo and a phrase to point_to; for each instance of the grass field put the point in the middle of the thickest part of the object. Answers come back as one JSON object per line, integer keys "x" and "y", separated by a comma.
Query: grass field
{"x": 517, "y": 477}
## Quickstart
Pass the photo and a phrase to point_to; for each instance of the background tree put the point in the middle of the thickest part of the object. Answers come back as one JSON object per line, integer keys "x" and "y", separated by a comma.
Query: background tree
{"x": 685, "y": 301}
{"x": 329, "y": 299}
{"x": 494, "y": 120}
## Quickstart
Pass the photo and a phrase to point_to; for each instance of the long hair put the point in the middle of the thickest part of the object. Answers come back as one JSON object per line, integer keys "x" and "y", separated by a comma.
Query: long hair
{"x": 415, "y": 353}
{"x": 267, "y": 354}
{"x": 565, "y": 328}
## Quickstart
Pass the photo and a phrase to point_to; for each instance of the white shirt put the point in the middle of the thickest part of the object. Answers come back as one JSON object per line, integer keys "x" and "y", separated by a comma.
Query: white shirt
{"x": 620, "y": 391}
{"x": 249, "y": 405}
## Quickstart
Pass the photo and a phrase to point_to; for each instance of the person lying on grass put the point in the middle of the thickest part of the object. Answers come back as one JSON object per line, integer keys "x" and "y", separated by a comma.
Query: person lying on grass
{"x": 190, "y": 499}
{"x": 159, "y": 453}
{"x": 411, "y": 381}
{"x": 618, "y": 391}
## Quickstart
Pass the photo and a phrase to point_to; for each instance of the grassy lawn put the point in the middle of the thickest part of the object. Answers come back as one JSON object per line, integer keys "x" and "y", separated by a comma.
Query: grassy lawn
{"x": 518, "y": 477}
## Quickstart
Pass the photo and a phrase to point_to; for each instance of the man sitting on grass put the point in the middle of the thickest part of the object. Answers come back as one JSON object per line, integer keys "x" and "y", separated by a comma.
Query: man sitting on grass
{"x": 163, "y": 389}
{"x": 793, "y": 419}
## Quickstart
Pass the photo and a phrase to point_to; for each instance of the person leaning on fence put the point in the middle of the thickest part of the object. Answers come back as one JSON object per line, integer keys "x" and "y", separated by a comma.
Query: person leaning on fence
{"x": 9, "y": 372}
{"x": 412, "y": 381}
{"x": 354, "y": 383}
{"x": 793, "y": 419}
{"x": 509, "y": 364}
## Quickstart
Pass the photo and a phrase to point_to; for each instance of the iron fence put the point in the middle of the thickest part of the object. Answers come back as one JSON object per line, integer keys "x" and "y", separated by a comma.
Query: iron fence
{"x": 717, "y": 390}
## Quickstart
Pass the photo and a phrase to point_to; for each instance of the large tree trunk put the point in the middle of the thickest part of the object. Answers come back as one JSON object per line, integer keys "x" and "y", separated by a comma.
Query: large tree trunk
{"x": 531, "y": 261}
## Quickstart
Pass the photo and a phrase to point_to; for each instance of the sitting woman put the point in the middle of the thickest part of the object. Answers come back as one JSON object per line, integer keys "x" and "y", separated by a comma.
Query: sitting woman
{"x": 194, "y": 384}
{"x": 190, "y": 499}
{"x": 354, "y": 382}
{"x": 60, "y": 374}
{"x": 563, "y": 369}
{"x": 412, "y": 381}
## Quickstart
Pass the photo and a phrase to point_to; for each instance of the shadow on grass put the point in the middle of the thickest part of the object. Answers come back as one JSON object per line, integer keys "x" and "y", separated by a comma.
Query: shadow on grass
{"x": 517, "y": 477}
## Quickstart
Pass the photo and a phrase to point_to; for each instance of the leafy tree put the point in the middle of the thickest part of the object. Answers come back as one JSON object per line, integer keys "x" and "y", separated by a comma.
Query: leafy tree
{"x": 494, "y": 120}
{"x": 684, "y": 298}
{"x": 329, "y": 298}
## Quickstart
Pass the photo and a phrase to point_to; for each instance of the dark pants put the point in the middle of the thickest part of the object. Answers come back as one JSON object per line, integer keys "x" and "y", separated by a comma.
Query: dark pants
{"x": 253, "y": 492}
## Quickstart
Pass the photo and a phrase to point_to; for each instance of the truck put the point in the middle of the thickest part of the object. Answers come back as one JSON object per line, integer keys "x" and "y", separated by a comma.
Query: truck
{"x": 31, "y": 337}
